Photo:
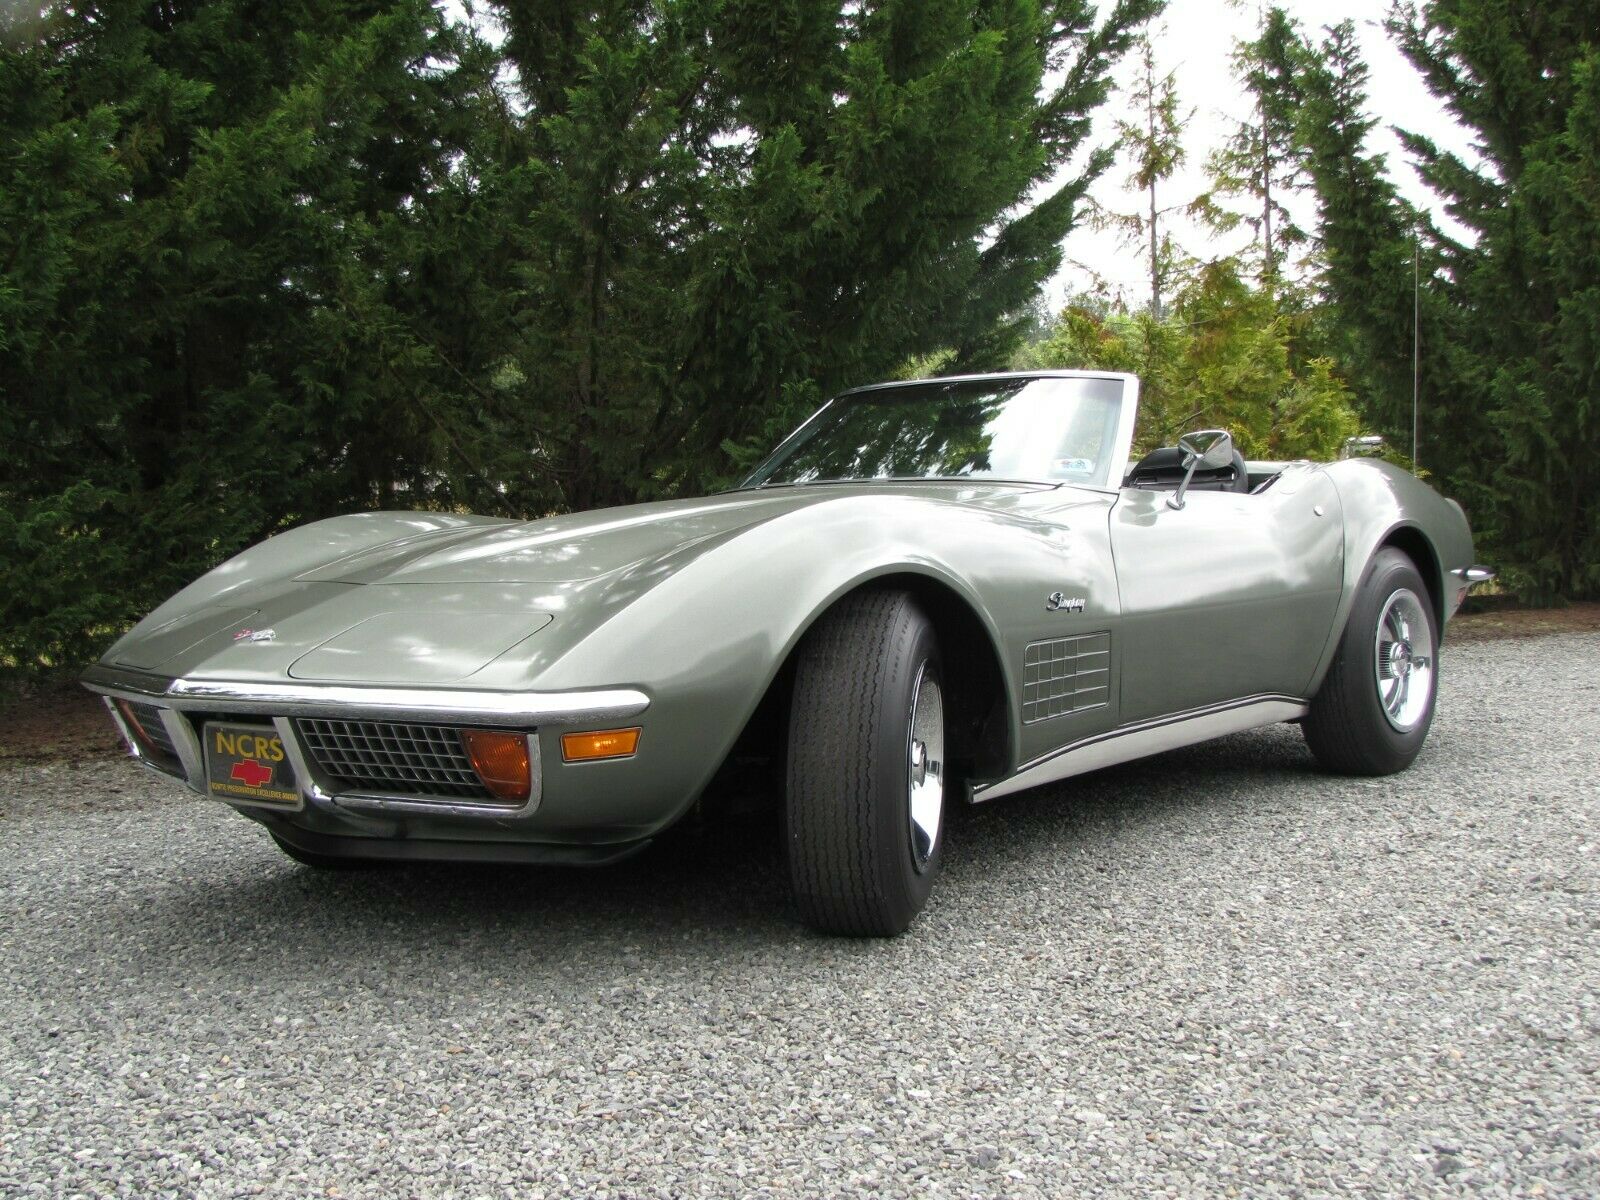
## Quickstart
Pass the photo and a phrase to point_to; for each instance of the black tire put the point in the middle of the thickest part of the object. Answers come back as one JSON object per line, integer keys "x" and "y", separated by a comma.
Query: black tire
{"x": 322, "y": 862}
{"x": 852, "y": 861}
{"x": 1347, "y": 728}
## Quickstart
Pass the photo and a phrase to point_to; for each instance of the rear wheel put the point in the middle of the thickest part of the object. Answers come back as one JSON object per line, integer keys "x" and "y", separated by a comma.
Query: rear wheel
{"x": 866, "y": 781}
{"x": 1373, "y": 711}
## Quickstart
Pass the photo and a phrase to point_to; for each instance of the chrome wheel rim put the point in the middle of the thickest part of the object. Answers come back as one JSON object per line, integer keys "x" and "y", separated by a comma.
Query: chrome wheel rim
{"x": 1403, "y": 665}
{"x": 925, "y": 768}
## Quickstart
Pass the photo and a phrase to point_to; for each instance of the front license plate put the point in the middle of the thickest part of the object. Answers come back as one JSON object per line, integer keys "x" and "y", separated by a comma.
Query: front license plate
{"x": 247, "y": 762}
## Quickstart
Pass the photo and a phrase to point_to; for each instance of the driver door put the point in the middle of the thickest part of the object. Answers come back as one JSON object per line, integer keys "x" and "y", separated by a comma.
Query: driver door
{"x": 1228, "y": 597}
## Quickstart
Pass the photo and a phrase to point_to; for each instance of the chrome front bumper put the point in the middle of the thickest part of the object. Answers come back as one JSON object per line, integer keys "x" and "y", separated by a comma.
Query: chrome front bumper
{"x": 374, "y": 703}
{"x": 280, "y": 703}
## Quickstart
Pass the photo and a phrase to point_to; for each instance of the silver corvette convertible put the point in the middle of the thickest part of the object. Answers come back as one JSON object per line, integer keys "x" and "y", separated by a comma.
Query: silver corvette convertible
{"x": 932, "y": 593}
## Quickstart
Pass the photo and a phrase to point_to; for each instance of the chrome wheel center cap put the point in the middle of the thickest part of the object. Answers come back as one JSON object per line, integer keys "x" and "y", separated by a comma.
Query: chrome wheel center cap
{"x": 919, "y": 763}
{"x": 1400, "y": 659}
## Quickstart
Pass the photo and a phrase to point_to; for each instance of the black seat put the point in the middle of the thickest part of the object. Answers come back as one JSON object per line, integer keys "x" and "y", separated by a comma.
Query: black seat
{"x": 1162, "y": 471}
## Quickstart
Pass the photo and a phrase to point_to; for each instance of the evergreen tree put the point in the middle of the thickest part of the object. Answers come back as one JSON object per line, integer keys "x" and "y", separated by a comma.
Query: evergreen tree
{"x": 1509, "y": 369}
{"x": 722, "y": 211}
{"x": 1262, "y": 160}
{"x": 1152, "y": 138}
{"x": 1366, "y": 235}
{"x": 218, "y": 311}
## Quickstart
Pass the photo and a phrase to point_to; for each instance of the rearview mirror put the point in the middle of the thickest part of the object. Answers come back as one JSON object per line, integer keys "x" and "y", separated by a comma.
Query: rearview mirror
{"x": 1211, "y": 449}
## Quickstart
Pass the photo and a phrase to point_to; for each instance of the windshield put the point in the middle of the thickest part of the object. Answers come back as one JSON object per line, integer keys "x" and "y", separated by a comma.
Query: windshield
{"x": 1048, "y": 429}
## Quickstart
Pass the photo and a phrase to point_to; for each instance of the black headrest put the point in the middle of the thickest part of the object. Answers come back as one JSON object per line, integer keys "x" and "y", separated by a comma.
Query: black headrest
{"x": 1164, "y": 468}
{"x": 1166, "y": 458}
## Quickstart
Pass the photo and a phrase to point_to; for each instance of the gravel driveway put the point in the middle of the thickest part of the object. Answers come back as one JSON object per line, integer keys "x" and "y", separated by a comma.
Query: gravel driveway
{"x": 1213, "y": 973}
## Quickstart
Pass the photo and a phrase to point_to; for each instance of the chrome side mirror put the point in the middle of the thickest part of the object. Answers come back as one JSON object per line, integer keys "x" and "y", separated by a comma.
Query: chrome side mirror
{"x": 1208, "y": 448}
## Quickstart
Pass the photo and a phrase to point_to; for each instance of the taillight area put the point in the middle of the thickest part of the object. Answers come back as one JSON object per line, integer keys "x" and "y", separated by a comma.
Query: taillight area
{"x": 501, "y": 760}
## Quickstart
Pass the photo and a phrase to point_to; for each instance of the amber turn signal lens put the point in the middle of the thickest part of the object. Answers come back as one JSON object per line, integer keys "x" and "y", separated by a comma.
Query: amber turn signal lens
{"x": 501, "y": 761}
{"x": 607, "y": 743}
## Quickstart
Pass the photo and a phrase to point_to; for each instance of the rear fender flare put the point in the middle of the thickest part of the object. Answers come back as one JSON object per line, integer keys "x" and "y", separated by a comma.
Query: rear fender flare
{"x": 1385, "y": 506}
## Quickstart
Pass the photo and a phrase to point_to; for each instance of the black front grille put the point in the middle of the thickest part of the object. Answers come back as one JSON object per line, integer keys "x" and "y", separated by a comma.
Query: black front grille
{"x": 157, "y": 743}
{"x": 384, "y": 756}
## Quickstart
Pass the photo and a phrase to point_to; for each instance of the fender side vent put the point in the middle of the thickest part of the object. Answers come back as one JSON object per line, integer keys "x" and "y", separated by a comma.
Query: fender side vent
{"x": 1065, "y": 675}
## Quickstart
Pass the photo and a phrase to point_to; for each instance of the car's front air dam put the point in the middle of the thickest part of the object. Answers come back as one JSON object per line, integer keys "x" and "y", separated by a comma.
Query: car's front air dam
{"x": 408, "y": 849}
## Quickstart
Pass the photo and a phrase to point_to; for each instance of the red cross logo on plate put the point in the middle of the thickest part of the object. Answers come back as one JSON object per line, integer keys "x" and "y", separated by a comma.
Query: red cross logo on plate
{"x": 251, "y": 773}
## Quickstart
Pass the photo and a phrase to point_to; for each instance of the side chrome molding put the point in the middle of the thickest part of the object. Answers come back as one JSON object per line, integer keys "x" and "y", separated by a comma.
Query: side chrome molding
{"x": 1148, "y": 737}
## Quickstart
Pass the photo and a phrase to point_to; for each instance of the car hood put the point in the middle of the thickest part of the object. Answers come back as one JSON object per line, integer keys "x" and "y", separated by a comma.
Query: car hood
{"x": 440, "y": 600}
{"x": 589, "y": 545}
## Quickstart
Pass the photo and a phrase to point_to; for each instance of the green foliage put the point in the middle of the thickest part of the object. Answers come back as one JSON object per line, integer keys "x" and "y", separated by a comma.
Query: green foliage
{"x": 212, "y": 227}
{"x": 1152, "y": 141}
{"x": 70, "y": 578}
{"x": 1262, "y": 160}
{"x": 803, "y": 196}
{"x": 1227, "y": 356}
{"x": 263, "y": 263}
{"x": 1510, "y": 363}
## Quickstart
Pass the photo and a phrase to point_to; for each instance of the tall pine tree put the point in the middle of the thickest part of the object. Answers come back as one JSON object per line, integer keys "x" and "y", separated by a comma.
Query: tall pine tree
{"x": 1510, "y": 364}
{"x": 722, "y": 210}
{"x": 1151, "y": 138}
{"x": 1262, "y": 160}
{"x": 224, "y": 233}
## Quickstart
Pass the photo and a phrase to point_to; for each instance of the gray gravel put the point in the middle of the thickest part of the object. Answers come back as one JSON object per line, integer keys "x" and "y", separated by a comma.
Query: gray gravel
{"x": 1214, "y": 973}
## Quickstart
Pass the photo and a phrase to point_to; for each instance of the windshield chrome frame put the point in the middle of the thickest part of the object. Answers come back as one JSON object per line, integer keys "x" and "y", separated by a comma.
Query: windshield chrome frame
{"x": 1118, "y": 464}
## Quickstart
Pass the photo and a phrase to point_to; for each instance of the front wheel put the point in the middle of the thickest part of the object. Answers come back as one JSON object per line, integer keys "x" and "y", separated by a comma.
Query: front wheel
{"x": 1372, "y": 713}
{"x": 866, "y": 779}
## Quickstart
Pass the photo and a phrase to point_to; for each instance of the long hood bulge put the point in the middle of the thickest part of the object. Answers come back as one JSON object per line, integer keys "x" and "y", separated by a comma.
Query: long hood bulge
{"x": 585, "y": 546}
{"x": 566, "y": 549}
{"x": 417, "y": 648}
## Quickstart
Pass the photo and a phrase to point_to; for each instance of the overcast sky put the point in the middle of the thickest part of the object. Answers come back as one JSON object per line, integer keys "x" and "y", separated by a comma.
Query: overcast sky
{"x": 1195, "y": 39}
